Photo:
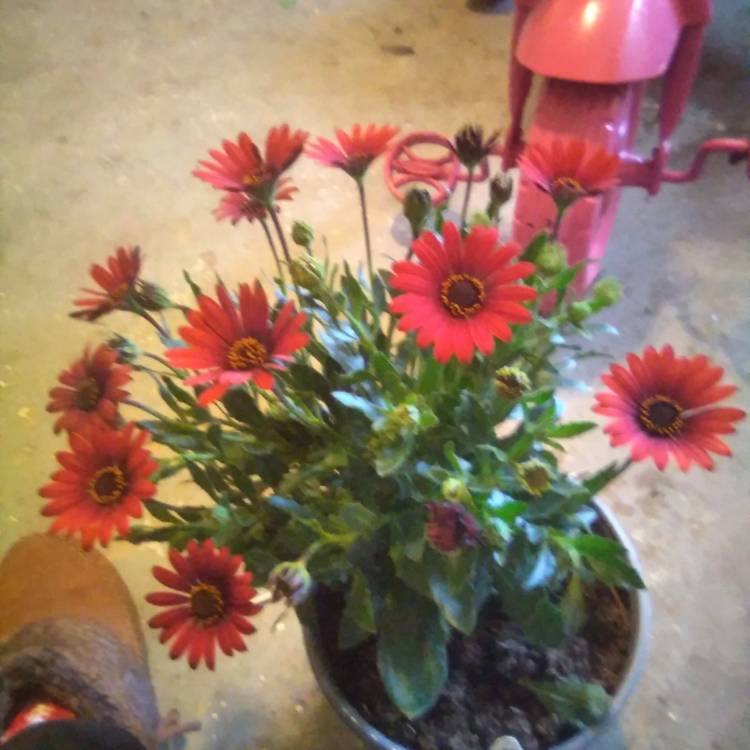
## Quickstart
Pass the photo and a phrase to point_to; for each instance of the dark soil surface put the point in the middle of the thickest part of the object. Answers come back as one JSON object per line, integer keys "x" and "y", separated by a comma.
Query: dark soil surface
{"x": 482, "y": 699}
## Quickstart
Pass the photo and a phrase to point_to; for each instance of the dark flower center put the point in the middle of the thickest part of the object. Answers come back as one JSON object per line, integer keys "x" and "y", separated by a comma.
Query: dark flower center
{"x": 87, "y": 394}
{"x": 246, "y": 354}
{"x": 661, "y": 415}
{"x": 206, "y": 603}
{"x": 107, "y": 485}
{"x": 462, "y": 295}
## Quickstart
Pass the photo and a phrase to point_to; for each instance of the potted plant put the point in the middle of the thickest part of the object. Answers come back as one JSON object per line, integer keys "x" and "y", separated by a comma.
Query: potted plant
{"x": 380, "y": 448}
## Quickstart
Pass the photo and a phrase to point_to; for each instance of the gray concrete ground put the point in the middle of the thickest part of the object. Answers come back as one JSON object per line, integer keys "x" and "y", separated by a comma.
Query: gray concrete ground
{"x": 106, "y": 107}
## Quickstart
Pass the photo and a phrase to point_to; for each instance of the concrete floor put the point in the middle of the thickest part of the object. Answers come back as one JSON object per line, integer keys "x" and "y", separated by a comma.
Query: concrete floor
{"x": 107, "y": 106}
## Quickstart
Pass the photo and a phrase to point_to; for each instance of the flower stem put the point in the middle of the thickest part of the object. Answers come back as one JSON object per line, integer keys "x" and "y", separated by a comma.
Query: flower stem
{"x": 280, "y": 232}
{"x": 465, "y": 208}
{"x": 272, "y": 245}
{"x": 147, "y": 409}
{"x": 366, "y": 228}
{"x": 558, "y": 223}
{"x": 150, "y": 318}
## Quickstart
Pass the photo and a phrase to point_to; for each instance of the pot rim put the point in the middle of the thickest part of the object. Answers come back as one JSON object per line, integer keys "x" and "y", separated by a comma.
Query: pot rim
{"x": 640, "y": 602}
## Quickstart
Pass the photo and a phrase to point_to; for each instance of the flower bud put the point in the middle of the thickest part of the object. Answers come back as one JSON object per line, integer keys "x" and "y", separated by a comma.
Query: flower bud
{"x": 302, "y": 234}
{"x": 151, "y": 297}
{"x": 417, "y": 209}
{"x": 480, "y": 219}
{"x": 501, "y": 191}
{"x": 606, "y": 293}
{"x": 450, "y": 526}
{"x": 471, "y": 147}
{"x": 290, "y": 581}
{"x": 511, "y": 383}
{"x": 127, "y": 350}
{"x": 551, "y": 258}
{"x": 455, "y": 490}
{"x": 306, "y": 272}
{"x": 578, "y": 312}
{"x": 535, "y": 476}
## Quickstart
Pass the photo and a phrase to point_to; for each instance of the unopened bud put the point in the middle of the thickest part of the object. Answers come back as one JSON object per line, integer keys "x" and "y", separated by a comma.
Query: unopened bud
{"x": 151, "y": 297}
{"x": 455, "y": 490}
{"x": 512, "y": 383}
{"x": 306, "y": 272}
{"x": 126, "y": 349}
{"x": 535, "y": 476}
{"x": 450, "y": 526}
{"x": 302, "y": 234}
{"x": 480, "y": 219}
{"x": 551, "y": 258}
{"x": 290, "y": 581}
{"x": 606, "y": 293}
{"x": 417, "y": 209}
{"x": 501, "y": 190}
{"x": 578, "y": 312}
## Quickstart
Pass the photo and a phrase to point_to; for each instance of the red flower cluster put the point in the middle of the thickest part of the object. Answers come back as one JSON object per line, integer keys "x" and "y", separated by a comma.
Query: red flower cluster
{"x": 662, "y": 405}
{"x": 355, "y": 151}
{"x": 569, "y": 170}
{"x": 91, "y": 389}
{"x": 209, "y": 602}
{"x": 240, "y": 167}
{"x": 101, "y": 484}
{"x": 117, "y": 281}
{"x": 233, "y": 344}
{"x": 462, "y": 294}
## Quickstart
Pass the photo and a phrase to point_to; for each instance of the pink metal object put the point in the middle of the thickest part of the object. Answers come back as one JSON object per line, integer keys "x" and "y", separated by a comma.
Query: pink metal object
{"x": 596, "y": 56}
{"x": 405, "y": 167}
{"x": 605, "y": 41}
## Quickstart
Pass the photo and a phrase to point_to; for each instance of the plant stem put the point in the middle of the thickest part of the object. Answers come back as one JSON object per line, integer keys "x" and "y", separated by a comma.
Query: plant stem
{"x": 272, "y": 245}
{"x": 150, "y": 318}
{"x": 147, "y": 409}
{"x": 366, "y": 228}
{"x": 280, "y": 232}
{"x": 465, "y": 208}
{"x": 558, "y": 223}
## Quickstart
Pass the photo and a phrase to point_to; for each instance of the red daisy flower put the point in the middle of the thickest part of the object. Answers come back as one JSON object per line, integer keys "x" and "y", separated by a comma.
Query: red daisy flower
{"x": 237, "y": 343}
{"x": 463, "y": 293}
{"x": 357, "y": 150}
{"x": 569, "y": 169}
{"x": 240, "y": 167}
{"x": 118, "y": 281}
{"x": 101, "y": 485}
{"x": 91, "y": 389}
{"x": 238, "y": 206}
{"x": 662, "y": 405}
{"x": 210, "y": 602}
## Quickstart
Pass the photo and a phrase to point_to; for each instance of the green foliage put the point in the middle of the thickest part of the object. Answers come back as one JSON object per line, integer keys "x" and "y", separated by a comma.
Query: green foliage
{"x": 575, "y": 702}
{"x": 339, "y": 465}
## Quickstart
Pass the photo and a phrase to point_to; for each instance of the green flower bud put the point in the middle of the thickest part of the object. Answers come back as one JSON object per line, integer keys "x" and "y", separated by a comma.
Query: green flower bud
{"x": 607, "y": 292}
{"x": 501, "y": 191}
{"x": 535, "y": 476}
{"x": 151, "y": 297}
{"x": 302, "y": 234}
{"x": 551, "y": 258}
{"x": 512, "y": 383}
{"x": 306, "y": 272}
{"x": 127, "y": 350}
{"x": 578, "y": 312}
{"x": 455, "y": 490}
{"x": 480, "y": 219}
{"x": 417, "y": 209}
{"x": 290, "y": 581}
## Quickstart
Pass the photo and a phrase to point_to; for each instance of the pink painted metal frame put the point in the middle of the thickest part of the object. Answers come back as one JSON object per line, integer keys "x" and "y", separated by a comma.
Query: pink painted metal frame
{"x": 592, "y": 90}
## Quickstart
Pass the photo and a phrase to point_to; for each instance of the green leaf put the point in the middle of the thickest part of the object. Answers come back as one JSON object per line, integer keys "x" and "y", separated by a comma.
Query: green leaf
{"x": 581, "y": 704}
{"x": 193, "y": 286}
{"x": 412, "y": 656}
{"x": 535, "y": 246}
{"x": 570, "y": 429}
{"x": 292, "y": 507}
{"x": 429, "y": 380}
{"x": 573, "y": 606}
{"x": 388, "y": 374}
{"x": 358, "y": 609}
{"x": 391, "y": 458}
{"x": 407, "y": 532}
{"x": 597, "y": 482}
{"x": 607, "y": 559}
{"x": 358, "y": 518}
{"x": 160, "y": 512}
{"x": 540, "y": 570}
{"x": 356, "y": 402}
